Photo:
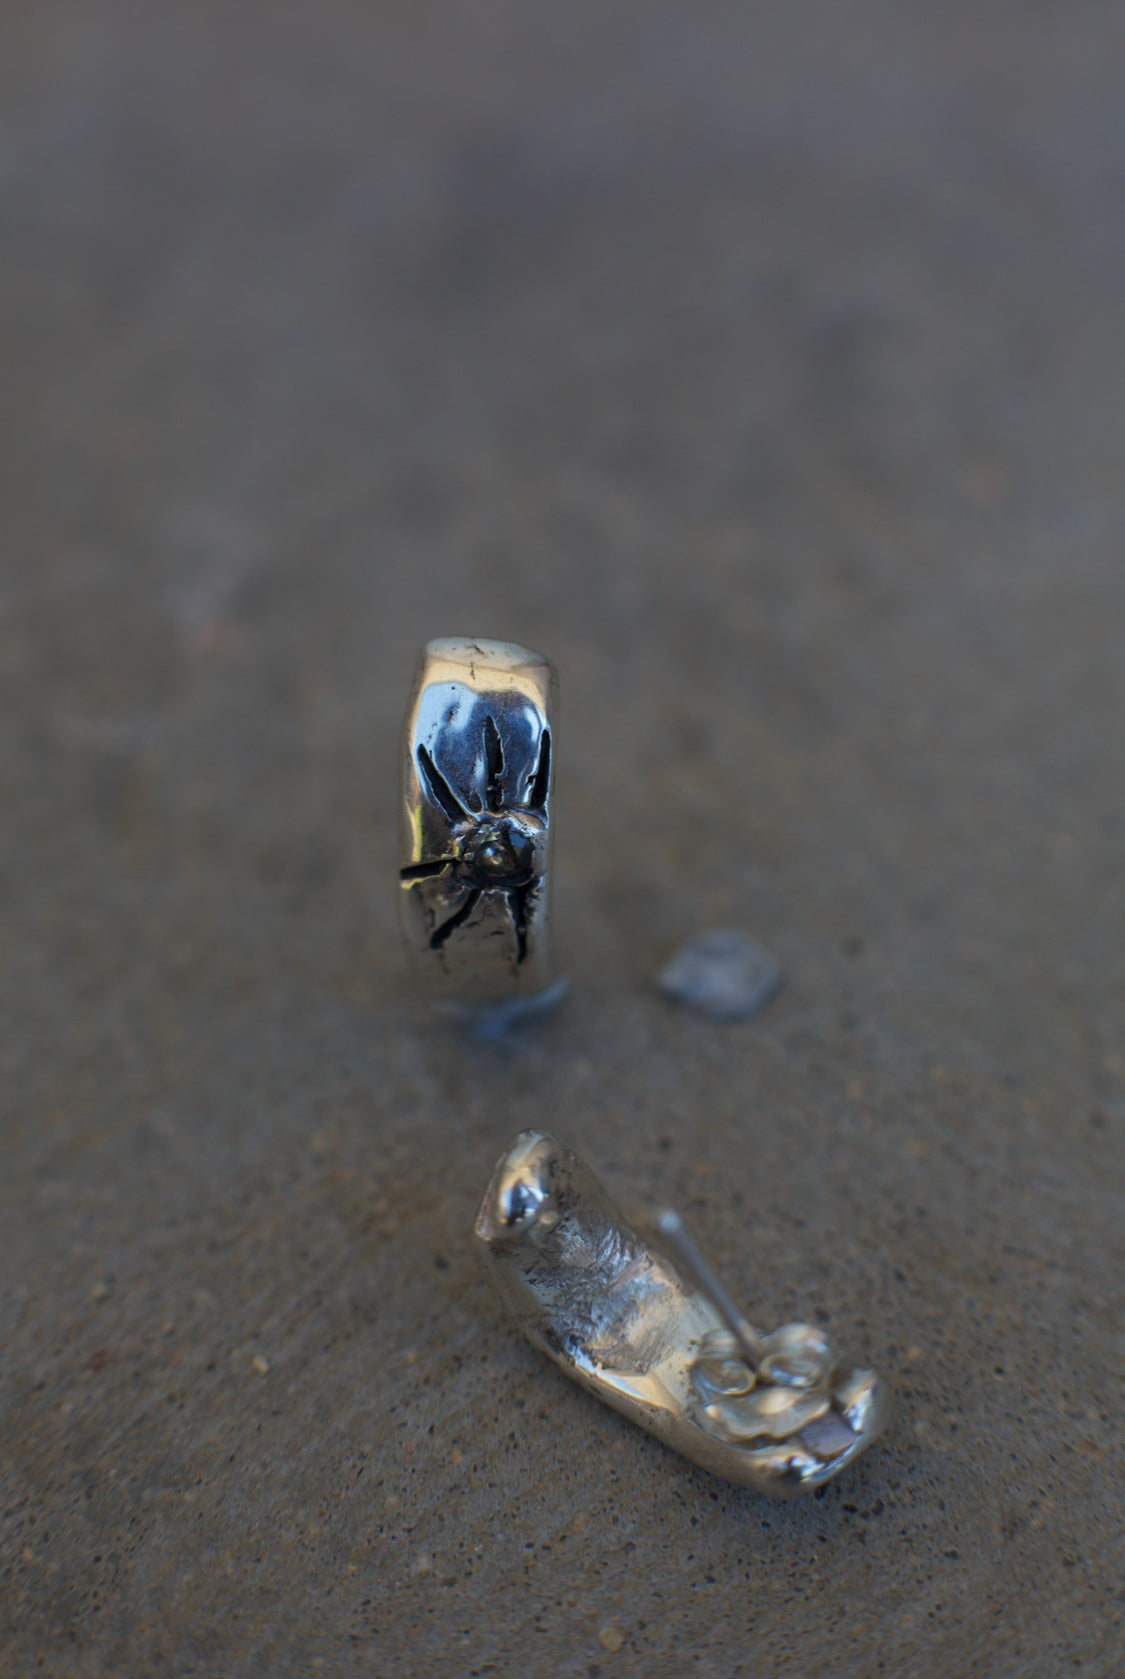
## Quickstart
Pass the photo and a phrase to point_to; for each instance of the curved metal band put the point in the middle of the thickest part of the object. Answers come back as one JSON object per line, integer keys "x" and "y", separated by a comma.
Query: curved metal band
{"x": 660, "y": 1339}
{"x": 476, "y": 822}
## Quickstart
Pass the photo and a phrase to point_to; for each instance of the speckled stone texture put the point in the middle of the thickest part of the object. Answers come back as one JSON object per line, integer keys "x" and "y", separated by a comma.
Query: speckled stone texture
{"x": 764, "y": 367}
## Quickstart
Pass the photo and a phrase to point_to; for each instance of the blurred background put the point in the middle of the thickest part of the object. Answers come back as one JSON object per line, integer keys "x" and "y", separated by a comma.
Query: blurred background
{"x": 764, "y": 367}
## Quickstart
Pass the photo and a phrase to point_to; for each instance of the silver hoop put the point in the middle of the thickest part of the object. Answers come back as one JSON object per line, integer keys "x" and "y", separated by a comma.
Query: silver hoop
{"x": 659, "y": 1338}
{"x": 476, "y": 826}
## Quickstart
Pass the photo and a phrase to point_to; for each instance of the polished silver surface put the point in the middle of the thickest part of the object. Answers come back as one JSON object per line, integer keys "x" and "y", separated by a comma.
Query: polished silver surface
{"x": 476, "y": 826}
{"x": 661, "y": 1340}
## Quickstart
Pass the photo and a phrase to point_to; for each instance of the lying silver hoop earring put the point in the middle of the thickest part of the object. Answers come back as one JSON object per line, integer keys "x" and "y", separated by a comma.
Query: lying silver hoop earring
{"x": 476, "y": 827}
{"x": 663, "y": 1342}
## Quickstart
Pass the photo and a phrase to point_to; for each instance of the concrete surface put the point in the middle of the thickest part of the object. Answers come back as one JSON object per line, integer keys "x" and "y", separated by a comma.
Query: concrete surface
{"x": 765, "y": 367}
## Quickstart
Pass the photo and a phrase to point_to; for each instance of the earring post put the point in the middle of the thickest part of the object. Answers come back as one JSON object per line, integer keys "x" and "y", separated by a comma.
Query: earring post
{"x": 704, "y": 1276}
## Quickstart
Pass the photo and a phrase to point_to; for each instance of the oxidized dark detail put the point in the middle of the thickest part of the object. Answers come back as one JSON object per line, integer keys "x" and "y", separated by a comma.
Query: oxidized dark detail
{"x": 493, "y": 850}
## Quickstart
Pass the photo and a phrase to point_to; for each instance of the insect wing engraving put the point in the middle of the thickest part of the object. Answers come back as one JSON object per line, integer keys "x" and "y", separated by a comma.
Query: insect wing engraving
{"x": 484, "y": 775}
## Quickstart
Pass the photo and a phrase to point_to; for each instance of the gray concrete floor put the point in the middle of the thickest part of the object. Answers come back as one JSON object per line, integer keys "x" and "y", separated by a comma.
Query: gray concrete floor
{"x": 765, "y": 367}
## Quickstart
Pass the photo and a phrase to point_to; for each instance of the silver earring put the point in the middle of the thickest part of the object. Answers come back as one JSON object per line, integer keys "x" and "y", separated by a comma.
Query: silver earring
{"x": 661, "y": 1340}
{"x": 476, "y": 827}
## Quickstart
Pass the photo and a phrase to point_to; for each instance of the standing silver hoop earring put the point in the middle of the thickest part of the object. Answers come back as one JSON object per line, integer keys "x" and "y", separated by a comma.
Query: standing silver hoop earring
{"x": 476, "y": 827}
{"x": 657, "y": 1336}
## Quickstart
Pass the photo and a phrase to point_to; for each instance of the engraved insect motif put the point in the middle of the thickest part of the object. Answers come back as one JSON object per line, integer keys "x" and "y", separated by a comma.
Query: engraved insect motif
{"x": 492, "y": 851}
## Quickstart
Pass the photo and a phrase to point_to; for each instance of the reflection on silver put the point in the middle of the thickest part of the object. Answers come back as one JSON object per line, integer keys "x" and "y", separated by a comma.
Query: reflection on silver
{"x": 477, "y": 772}
{"x": 777, "y": 1412}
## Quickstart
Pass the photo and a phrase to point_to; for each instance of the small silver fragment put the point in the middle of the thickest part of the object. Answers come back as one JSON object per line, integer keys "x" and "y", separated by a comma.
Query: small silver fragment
{"x": 723, "y": 975}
